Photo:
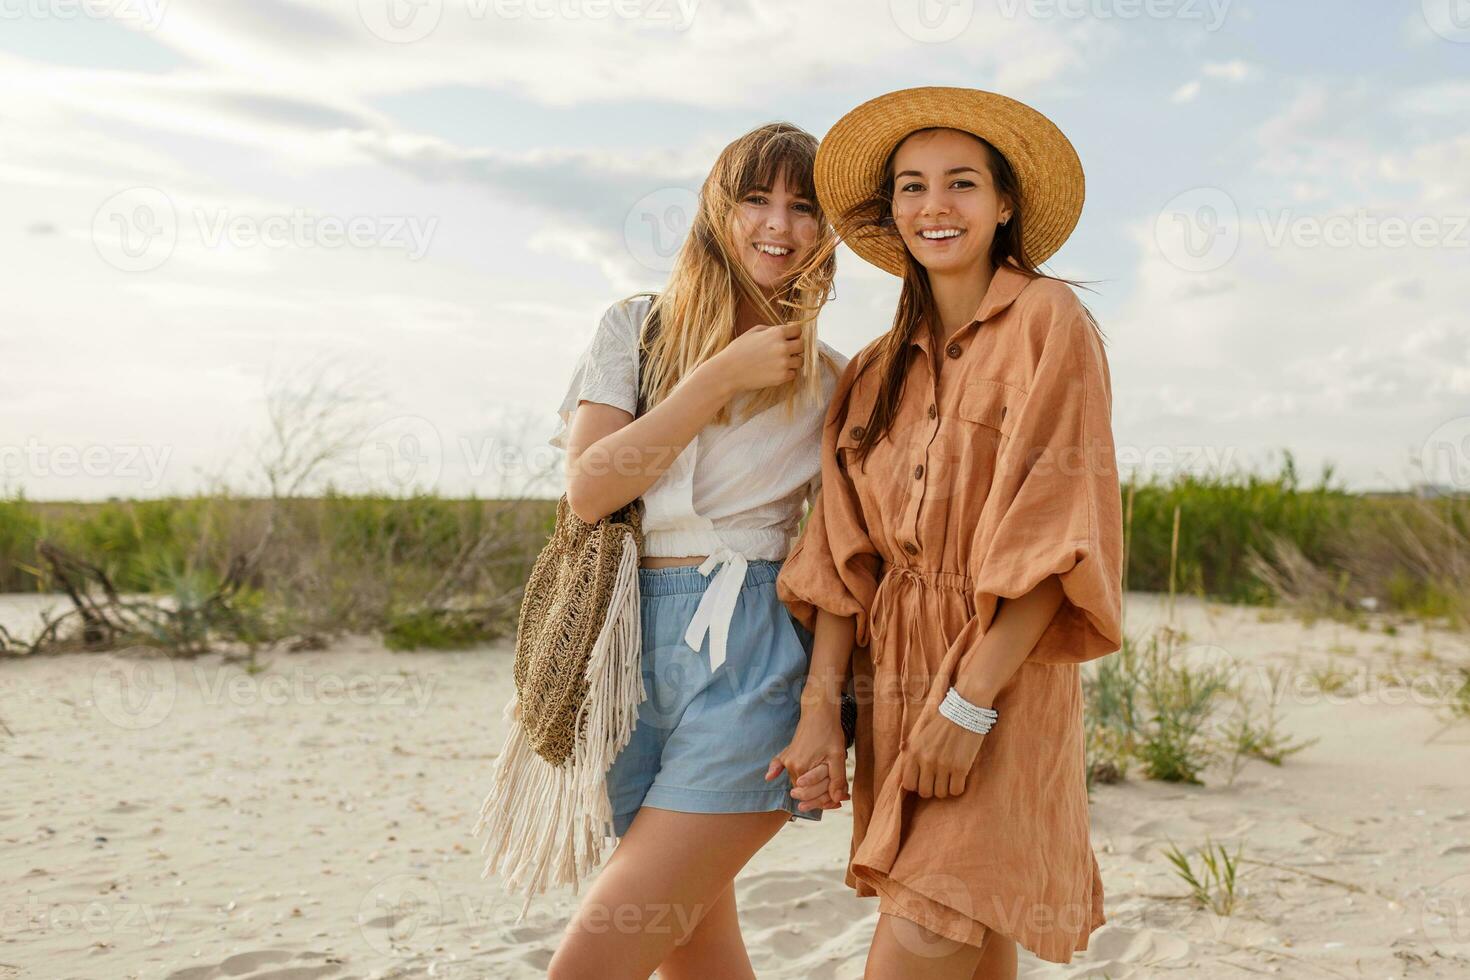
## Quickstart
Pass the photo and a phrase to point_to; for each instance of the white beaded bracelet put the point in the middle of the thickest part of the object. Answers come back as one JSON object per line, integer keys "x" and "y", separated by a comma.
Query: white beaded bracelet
{"x": 966, "y": 715}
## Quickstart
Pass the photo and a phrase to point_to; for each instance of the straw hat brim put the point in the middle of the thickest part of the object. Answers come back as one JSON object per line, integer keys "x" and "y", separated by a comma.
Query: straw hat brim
{"x": 850, "y": 161}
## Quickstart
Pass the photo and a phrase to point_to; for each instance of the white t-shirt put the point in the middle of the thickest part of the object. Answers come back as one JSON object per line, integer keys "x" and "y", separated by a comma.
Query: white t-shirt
{"x": 736, "y": 492}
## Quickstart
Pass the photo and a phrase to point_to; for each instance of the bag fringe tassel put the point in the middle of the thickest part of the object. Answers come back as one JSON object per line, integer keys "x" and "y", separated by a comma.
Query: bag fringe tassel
{"x": 546, "y": 823}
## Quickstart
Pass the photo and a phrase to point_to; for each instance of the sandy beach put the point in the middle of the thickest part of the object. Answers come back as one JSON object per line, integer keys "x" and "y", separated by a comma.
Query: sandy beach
{"x": 191, "y": 820}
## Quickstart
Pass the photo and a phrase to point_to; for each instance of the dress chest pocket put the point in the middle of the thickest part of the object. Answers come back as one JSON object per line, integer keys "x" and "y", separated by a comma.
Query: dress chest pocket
{"x": 847, "y": 443}
{"x": 859, "y": 412}
{"x": 991, "y": 403}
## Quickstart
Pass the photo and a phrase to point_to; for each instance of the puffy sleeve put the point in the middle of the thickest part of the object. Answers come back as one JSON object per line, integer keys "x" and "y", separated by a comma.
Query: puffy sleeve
{"x": 1054, "y": 506}
{"x": 840, "y": 362}
{"x": 607, "y": 371}
{"x": 833, "y": 565}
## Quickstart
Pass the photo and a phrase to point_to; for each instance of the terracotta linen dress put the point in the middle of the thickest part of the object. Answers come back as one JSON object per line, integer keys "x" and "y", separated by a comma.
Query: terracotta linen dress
{"x": 994, "y": 477}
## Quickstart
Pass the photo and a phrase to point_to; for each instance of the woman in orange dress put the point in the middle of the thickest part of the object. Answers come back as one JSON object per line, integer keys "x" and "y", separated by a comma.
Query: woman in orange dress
{"x": 966, "y": 546}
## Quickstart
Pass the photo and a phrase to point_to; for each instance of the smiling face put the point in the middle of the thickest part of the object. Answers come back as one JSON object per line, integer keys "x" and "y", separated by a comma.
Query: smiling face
{"x": 773, "y": 229}
{"x": 945, "y": 203}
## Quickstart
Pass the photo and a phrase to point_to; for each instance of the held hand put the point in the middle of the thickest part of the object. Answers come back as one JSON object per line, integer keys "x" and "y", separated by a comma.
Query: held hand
{"x": 816, "y": 760}
{"x": 938, "y": 757}
{"x": 762, "y": 357}
{"x": 819, "y": 790}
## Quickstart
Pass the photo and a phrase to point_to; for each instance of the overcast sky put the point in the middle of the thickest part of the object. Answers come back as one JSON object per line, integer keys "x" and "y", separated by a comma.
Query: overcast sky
{"x": 432, "y": 203}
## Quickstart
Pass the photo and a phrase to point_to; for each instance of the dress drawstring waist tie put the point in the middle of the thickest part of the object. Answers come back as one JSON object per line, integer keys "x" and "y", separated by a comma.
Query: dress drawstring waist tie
{"x": 888, "y": 585}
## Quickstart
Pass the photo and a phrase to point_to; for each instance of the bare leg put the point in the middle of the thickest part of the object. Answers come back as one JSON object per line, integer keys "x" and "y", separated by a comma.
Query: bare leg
{"x": 997, "y": 959}
{"x": 715, "y": 948}
{"x": 667, "y": 873}
{"x": 902, "y": 949}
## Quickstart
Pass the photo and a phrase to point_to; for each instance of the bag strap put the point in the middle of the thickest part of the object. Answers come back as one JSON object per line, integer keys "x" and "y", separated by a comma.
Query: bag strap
{"x": 646, "y": 336}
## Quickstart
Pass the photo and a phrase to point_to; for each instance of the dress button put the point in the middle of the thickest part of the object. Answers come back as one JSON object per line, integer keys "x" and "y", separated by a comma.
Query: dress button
{"x": 910, "y": 547}
{"x": 857, "y": 432}
{"x": 953, "y": 350}
{"x": 933, "y": 411}
{"x": 918, "y": 471}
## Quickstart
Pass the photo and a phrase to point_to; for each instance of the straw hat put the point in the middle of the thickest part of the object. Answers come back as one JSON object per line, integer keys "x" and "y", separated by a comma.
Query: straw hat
{"x": 851, "y": 156}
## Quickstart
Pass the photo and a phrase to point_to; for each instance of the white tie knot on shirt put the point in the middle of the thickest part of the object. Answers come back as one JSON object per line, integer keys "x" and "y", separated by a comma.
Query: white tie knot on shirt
{"x": 717, "y": 606}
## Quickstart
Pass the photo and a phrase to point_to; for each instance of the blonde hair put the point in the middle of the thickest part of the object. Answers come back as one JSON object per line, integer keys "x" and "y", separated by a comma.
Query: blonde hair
{"x": 696, "y": 310}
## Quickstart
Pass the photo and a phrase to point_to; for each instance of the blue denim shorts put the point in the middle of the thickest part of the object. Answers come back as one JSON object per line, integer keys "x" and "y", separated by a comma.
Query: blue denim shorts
{"x": 702, "y": 742}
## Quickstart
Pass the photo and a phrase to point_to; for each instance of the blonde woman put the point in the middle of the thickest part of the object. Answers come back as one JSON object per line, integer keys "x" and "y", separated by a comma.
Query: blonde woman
{"x": 724, "y": 458}
{"x": 966, "y": 547}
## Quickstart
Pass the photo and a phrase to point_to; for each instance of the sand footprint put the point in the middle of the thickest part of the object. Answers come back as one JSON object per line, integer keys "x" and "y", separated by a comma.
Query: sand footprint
{"x": 265, "y": 964}
{"x": 1120, "y": 951}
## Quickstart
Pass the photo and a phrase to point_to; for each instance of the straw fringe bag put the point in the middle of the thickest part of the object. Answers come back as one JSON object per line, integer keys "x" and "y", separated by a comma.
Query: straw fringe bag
{"x": 579, "y": 681}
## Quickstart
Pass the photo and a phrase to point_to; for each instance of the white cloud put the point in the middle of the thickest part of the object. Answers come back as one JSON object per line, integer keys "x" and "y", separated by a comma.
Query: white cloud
{"x": 273, "y": 107}
{"x": 1367, "y": 336}
{"x": 1187, "y": 92}
{"x": 1230, "y": 71}
{"x": 728, "y": 55}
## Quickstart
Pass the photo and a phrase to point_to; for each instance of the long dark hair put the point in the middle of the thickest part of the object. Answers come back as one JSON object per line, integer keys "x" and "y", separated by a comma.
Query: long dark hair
{"x": 873, "y": 216}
